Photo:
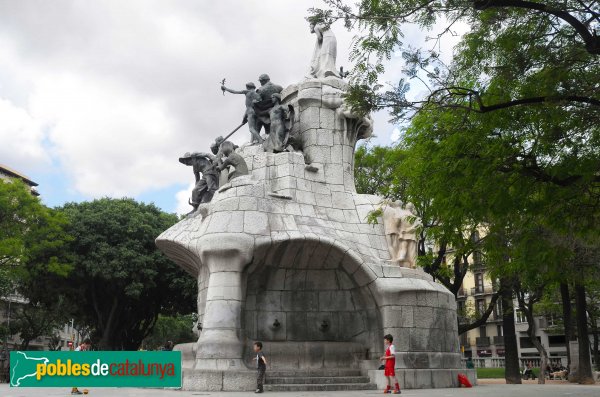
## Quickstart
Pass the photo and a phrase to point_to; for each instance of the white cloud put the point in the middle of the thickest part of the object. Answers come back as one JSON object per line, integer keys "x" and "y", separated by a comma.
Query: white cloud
{"x": 123, "y": 89}
{"x": 109, "y": 140}
{"x": 182, "y": 196}
{"x": 116, "y": 91}
{"x": 21, "y": 137}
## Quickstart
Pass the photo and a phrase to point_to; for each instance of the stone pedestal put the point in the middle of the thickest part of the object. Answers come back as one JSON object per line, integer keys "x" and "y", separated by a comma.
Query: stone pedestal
{"x": 285, "y": 255}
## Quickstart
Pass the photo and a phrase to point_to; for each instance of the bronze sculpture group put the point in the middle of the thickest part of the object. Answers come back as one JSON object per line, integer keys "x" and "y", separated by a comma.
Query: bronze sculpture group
{"x": 264, "y": 111}
{"x": 212, "y": 170}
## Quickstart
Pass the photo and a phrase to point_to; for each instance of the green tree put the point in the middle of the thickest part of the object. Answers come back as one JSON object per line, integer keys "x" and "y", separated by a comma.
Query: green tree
{"x": 33, "y": 320}
{"x": 32, "y": 239}
{"x": 29, "y": 232}
{"x": 509, "y": 132}
{"x": 177, "y": 329}
{"x": 444, "y": 245}
{"x": 120, "y": 282}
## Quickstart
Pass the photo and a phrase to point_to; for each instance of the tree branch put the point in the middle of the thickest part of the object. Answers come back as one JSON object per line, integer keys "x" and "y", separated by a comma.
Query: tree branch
{"x": 592, "y": 42}
{"x": 462, "y": 328}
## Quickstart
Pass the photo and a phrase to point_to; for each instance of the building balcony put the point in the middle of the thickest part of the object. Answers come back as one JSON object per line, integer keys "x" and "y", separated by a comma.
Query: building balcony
{"x": 478, "y": 265}
{"x": 487, "y": 290}
{"x": 461, "y": 294}
{"x": 482, "y": 341}
{"x": 499, "y": 340}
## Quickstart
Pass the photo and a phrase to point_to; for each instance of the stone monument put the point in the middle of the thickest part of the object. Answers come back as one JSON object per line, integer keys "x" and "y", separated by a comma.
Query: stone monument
{"x": 285, "y": 255}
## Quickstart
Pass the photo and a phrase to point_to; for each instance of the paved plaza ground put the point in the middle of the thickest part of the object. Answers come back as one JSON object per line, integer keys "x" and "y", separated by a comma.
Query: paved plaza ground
{"x": 488, "y": 388}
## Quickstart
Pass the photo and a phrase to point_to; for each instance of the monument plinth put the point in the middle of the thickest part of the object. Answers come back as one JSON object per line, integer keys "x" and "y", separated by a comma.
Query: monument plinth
{"x": 285, "y": 255}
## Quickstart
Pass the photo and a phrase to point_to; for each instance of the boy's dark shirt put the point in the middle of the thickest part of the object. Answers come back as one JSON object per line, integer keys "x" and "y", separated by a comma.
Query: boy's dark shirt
{"x": 260, "y": 363}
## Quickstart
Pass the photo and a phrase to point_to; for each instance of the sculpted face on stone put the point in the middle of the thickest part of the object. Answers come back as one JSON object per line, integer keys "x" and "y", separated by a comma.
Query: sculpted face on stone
{"x": 401, "y": 233}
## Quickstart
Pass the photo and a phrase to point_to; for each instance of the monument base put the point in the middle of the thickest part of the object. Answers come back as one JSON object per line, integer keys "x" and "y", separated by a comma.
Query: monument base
{"x": 245, "y": 380}
{"x": 207, "y": 380}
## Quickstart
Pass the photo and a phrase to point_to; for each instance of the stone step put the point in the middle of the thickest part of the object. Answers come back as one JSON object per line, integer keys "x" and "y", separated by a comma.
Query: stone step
{"x": 321, "y": 387}
{"x": 317, "y": 380}
{"x": 322, "y": 372}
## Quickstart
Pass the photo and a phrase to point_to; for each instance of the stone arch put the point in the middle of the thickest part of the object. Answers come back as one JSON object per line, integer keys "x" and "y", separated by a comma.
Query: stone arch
{"x": 304, "y": 298}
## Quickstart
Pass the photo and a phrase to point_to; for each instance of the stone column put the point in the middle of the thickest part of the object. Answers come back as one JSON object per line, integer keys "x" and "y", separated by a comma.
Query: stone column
{"x": 220, "y": 346}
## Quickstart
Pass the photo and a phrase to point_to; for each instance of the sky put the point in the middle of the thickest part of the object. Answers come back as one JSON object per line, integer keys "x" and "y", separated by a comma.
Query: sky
{"x": 100, "y": 98}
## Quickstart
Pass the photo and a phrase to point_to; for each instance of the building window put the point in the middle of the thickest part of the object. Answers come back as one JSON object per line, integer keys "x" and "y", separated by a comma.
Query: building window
{"x": 481, "y": 306}
{"x": 499, "y": 330}
{"x": 556, "y": 340}
{"x": 479, "y": 282}
{"x": 498, "y": 310}
{"x": 521, "y": 317}
{"x": 526, "y": 343}
{"x": 483, "y": 331}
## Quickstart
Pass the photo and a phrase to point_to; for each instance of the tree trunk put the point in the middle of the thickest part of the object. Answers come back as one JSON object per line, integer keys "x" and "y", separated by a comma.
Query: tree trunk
{"x": 567, "y": 318}
{"x": 584, "y": 370}
{"x": 596, "y": 343}
{"x": 527, "y": 309}
{"x": 511, "y": 352}
{"x": 25, "y": 344}
{"x": 107, "y": 342}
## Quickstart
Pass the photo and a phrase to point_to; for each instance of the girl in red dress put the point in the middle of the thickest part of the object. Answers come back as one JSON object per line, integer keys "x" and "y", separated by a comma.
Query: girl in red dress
{"x": 390, "y": 364}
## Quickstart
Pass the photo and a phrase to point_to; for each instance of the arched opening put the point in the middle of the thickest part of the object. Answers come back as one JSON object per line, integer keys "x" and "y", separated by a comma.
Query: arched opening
{"x": 304, "y": 304}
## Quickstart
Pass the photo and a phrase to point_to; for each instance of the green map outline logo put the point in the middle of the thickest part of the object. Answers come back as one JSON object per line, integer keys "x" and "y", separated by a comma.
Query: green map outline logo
{"x": 13, "y": 367}
{"x": 158, "y": 369}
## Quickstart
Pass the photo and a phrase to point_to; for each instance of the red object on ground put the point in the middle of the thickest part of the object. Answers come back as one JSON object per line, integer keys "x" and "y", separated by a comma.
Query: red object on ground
{"x": 464, "y": 381}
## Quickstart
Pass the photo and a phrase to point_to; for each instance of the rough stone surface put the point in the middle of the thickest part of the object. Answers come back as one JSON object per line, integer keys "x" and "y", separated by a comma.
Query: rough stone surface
{"x": 286, "y": 255}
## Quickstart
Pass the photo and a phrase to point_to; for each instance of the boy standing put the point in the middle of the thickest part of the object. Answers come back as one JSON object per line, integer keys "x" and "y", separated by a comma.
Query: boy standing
{"x": 261, "y": 366}
{"x": 390, "y": 364}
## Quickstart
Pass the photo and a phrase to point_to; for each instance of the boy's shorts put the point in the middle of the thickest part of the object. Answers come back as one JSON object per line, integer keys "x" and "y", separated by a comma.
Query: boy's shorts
{"x": 389, "y": 368}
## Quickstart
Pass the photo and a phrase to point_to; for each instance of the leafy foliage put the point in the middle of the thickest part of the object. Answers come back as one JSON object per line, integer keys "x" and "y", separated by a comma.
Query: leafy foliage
{"x": 177, "y": 329}
{"x": 120, "y": 282}
{"x": 507, "y": 137}
{"x": 518, "y": 53}
{"x": 29, "y": 233}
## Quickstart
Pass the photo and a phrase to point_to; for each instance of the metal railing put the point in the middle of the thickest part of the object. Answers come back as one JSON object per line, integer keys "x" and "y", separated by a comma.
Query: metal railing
{"x": 483, "y": 290}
